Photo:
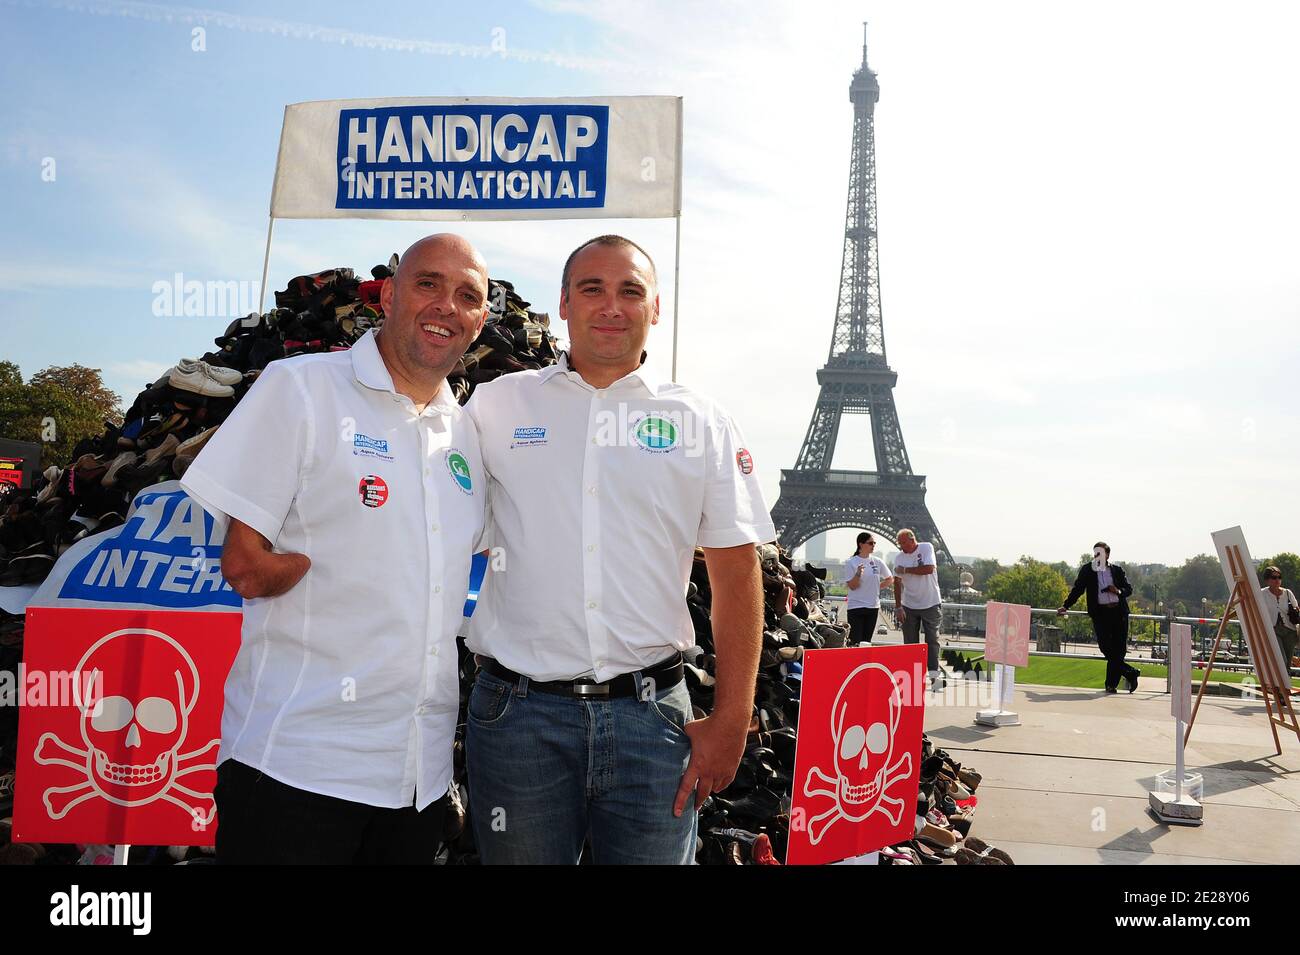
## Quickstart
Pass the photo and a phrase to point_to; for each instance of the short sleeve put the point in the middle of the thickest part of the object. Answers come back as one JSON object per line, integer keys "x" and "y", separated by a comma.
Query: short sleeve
{"x": 734, "y": 511}
{"x": 927, "y": 553}
{"x": 251, "y": 468}
{"x": 882, "y": 568}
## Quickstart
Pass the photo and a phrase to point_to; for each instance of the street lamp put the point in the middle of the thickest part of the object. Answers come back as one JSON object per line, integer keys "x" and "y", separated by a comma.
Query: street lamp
{"x": 1205, "y": 613}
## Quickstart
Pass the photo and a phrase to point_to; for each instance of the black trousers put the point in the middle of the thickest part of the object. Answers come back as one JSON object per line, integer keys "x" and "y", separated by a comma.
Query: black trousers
{"x": 262, "y": 821}
{"x": 862, "y": 624}
{"x": 1111, "y": 628}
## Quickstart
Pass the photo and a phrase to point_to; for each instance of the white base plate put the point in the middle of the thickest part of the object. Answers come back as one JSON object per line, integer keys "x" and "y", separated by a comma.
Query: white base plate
{"x": 997, "y": 718}
{"x": 1183, "y": 812}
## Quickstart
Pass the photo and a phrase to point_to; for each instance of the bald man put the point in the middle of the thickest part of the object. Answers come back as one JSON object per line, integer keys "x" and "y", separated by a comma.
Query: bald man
{"x": 352, "y": 490}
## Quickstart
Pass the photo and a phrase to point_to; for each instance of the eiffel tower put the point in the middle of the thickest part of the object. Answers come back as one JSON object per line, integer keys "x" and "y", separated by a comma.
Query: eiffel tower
{"x": 856, "y": 380}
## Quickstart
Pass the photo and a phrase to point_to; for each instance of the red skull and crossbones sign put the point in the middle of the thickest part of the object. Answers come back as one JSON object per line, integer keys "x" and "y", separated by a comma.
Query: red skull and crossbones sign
{"x": 864, "y": 750}
{"x": 134, "y": 726}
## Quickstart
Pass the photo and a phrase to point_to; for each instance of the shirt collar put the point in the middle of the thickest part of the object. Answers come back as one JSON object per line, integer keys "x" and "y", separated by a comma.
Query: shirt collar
{"x": 648, "y": 380}
{"x": 370, "y": 371}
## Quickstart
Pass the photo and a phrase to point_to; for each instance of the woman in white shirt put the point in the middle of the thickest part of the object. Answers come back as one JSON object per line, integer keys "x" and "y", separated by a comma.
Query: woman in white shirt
{"x": 1280, "y": 603}
{"x": 864, "y": 576}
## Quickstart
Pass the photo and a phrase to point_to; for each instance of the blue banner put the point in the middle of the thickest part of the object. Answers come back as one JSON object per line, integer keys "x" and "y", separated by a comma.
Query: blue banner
{"x": 476, "y": 157}
{"x": 163, "y": 556}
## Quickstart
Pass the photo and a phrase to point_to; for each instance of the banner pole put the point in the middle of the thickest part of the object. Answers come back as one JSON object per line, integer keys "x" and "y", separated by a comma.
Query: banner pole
{"x": 266, "y": 261}
{"x": 119, "y": 854}
{"x": 677, "y": 288}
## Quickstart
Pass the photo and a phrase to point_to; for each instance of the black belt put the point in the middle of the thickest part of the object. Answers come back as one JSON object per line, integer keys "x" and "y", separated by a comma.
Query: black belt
{"x": 666, "y": 674}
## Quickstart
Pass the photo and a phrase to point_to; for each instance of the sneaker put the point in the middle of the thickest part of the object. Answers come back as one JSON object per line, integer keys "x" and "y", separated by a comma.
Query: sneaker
{"x": 224, "y": 376}
{"x": 199, "y": 380}
{"x": 1132, "y": 680}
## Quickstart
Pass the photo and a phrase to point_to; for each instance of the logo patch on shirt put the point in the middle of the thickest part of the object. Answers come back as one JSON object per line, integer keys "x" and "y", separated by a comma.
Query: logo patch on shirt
{"x": 657, "y": 434}
{"x": 365, "y": 446}
{"x": 458, "y": 468}
{"x": 373, "y": 491}
{"x": 745, "y": 461}
{"x": 528, "y": 437}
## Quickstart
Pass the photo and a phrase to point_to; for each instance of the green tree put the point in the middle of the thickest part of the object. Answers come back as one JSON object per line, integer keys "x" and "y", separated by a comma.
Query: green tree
{"x": 86, "y": 382}
{"x": 949, "y": 578}
{"x": 982, "y": 569}
{"x": 1286, "y": 562}
{"x": 47, "y": 413}
{"x": 1030, "y": 582}
{"x": 1200, "y": 576}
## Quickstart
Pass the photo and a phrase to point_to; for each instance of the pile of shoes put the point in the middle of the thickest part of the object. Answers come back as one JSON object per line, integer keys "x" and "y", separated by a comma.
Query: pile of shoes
{"x": 945, "y": 811}
{"x": 513, "y": 339}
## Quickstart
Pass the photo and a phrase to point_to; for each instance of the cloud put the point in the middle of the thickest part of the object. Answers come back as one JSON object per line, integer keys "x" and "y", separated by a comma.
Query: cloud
{"x": 499, "y": 48}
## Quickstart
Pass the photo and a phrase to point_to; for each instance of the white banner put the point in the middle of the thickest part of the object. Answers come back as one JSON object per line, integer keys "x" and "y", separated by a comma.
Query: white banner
{"x": 477, "y": 158}
{"x": 1180, "y": 671}
{"x": 1230, "y": 543}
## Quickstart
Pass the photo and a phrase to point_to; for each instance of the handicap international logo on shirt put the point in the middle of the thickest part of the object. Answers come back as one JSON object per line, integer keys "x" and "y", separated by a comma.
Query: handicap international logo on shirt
{"x": 459, "y": 469}
{"x": 657, "y": 434}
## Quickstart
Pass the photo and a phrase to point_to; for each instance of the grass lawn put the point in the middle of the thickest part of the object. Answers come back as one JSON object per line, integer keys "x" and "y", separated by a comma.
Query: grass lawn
{"x": 1058, "y": 671}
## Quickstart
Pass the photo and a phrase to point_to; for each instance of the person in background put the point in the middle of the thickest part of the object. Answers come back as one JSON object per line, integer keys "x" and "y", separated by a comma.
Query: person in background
{"x": 1107, "y": 590}
{"x": 864, "y": 576}
{"x": 916, "y": 598}
{"x": 1283, "y": 613}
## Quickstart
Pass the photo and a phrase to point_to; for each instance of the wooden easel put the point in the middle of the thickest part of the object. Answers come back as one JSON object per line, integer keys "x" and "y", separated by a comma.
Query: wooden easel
{"x": 1274, "y": 686}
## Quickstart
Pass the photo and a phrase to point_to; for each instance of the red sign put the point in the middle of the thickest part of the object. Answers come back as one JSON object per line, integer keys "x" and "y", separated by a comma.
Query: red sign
{"x": 11, "y": 471}
{"x": 857, "y": 763}
{"x": 119, "y": 725}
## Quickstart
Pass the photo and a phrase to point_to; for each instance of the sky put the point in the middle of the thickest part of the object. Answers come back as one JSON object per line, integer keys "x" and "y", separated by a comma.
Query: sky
{"x": 1090, "y": 265}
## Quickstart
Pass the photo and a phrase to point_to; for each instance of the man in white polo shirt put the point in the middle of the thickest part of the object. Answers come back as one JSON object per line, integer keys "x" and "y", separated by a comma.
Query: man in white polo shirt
{"x": 354, "y": 492}
{"x": 917, "y": 599}
{"x": 603, "y": 479}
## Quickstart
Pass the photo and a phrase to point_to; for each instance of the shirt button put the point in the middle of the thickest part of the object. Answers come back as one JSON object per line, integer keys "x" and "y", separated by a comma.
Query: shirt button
{"x": 600, "y": 393}
{"x": 599, "y": 664}
{"x": 434, "y": 528}
{"x": 437, "y": 590}
{"x": 591, "y": 605}
{"x": 433, "y": 652}
{"x": 428, "y": 471}
{"x": 592, "y": 489}
{"x": 593, "y": 439}
{"x": 590, "y": 548}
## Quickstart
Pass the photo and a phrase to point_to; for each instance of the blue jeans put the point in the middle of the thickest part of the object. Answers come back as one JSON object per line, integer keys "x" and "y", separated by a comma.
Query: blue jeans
{"x": 547, "y": 771}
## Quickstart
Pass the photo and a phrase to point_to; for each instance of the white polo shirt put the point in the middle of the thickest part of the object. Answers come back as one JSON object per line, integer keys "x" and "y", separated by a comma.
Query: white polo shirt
{"x": 867, "y": 595}
{"x": 920, "y": 591}
{"x": 598, "y": 499}
{"x": 346, "y": 685}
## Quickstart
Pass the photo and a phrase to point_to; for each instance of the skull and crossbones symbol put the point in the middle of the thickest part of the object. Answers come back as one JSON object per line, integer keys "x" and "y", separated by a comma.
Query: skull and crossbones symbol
{"x": 864, "y": 749}
{"x": 133, "y": 727}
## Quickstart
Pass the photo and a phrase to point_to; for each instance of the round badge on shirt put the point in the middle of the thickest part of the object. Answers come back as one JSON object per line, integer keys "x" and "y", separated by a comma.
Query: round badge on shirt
{"x": 373, "y": 490}
{"x": 458, "y": 467}
{"x": 745, "y": 461}
{"x": 657, "y": 433}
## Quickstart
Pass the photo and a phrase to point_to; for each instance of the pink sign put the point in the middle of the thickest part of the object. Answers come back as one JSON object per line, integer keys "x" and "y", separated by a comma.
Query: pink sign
{"x": 1006, "y": 634}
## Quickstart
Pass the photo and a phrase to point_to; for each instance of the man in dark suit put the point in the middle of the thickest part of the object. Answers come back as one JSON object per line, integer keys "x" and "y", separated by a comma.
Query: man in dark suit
{"x": 1108, "y": 591}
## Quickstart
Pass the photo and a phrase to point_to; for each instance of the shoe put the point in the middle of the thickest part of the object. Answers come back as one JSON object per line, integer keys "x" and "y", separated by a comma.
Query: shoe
{"x": 1111, "y": 689}
{"x": 122, "y": 460}
{"x": 984, "y": 849}
{"x": 224, "y": 376}
{"x": 1132, "y": 680}
{"x": 199, "y": 380}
